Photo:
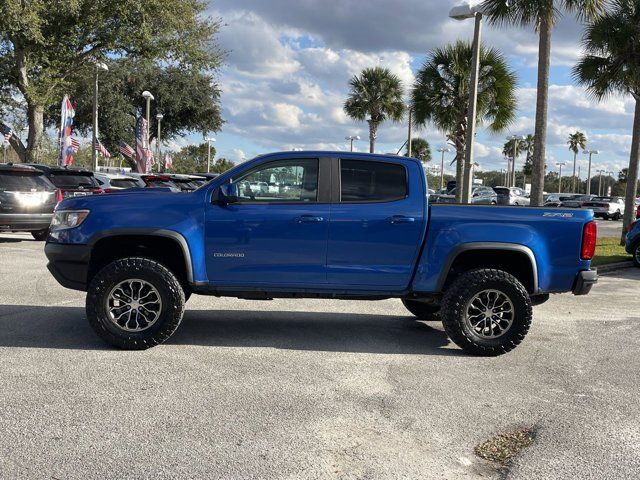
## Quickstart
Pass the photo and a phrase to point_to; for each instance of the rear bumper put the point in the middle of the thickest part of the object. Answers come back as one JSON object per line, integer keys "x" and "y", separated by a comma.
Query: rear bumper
{"x": 25, "y": 221}
{"x": 69, "y": 264}
{"x": 585, "y": 281}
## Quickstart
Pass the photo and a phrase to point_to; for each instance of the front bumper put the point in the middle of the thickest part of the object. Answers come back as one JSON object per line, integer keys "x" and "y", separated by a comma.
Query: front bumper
{"x": 585, "y": 280}
{"x": 69, "y": 264}
{"x": 25, "y": 222}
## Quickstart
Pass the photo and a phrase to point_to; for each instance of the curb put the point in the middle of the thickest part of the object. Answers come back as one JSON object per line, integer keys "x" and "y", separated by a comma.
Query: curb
{"x": 614, "y": 267}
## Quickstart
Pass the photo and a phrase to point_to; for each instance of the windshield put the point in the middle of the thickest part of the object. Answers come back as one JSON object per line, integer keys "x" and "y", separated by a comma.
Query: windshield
{"x": 23, "y": 181}
{"x": 159, "y": 183}
{"x": 73, "y": 180}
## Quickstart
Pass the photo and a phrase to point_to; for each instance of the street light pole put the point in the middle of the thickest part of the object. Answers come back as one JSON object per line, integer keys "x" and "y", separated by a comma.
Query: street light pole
{"x": 209, "y": 140}
{"x": 94, "y": 133}
{"x": 148, "y": 97}
{"x": 442, "y": 150}
{"x": 466, "y": 10}
{"x": 600, "y": 172}
{"x": 159, "y": 118}
{"x": 591, "y": 153}
{"x": 409, "y": 134}
{"x": 560, "y": 164}
{"x": 351, "y": 138}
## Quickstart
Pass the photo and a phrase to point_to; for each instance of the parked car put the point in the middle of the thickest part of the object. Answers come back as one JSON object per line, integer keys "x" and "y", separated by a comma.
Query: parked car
{"x": 632, "y": 244}
{"x": 479, "y": 195}
{"x": 140, "y": 255}
{"x": 556, "y": 199}
{"x": 27, "y": 200}
{"x": 152, "y": 180}
{"x": 512, "y": 196}
{"x": 606, "y": 207}
{"x": 114, "y": 182}
{"x": 70, "y": 182}
{"x": 576, "y": 201}
{"x": 186, "y": 183}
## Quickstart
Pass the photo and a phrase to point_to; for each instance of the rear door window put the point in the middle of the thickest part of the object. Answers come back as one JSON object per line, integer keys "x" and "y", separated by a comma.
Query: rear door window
{"x": 364, "y": 181}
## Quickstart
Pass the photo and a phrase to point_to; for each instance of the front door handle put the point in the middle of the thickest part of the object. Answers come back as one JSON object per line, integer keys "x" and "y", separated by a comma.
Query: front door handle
{"x": 309, "y": 219}
{"x": 402, "y": 219}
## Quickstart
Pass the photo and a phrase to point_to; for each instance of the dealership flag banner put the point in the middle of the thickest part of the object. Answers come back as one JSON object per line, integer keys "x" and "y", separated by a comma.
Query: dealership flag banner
{"x": 143, "y": 152}
{"x": 168, "y": 161}
{"x": 100, "y": 149}
{"x": 66, "y": 122}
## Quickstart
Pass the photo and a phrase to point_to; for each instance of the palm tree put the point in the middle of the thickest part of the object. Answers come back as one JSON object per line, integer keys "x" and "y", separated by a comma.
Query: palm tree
{"x": 611, "y": 64}
{"x": 577, "y": 141}
{"x": 420, "y": 149}
{"x": 441, "y": 94}
{"x": 542, "y": 15}
{"x": 375, "y": 95}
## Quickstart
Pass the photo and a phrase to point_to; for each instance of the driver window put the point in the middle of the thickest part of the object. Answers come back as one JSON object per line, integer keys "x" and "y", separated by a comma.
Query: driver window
{"x": 281, "y": 181}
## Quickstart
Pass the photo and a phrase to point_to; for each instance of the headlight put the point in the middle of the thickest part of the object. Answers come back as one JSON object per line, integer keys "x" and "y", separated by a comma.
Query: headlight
{"x": 63, "y": 219}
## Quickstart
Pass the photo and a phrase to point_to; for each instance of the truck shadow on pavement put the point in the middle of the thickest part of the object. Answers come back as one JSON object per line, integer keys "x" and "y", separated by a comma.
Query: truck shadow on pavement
{"x": 29, "y": 326}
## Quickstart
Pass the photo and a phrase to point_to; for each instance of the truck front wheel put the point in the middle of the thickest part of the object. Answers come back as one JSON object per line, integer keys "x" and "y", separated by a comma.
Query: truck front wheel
{"x": 486, "y": 312}
{"x": 135, "y": 303}
{"x": 422, "y": 310}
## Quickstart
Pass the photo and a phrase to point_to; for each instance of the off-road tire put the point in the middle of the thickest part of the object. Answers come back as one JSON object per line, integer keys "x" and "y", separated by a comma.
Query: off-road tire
{"x": 617, "y": 216}
{"x": 636, "y": 255}
{"x": 164, "y": 281}
{"x": 40, "y": 235}
{"x": 422, "y": 310}
{"x": 463, "y": 289}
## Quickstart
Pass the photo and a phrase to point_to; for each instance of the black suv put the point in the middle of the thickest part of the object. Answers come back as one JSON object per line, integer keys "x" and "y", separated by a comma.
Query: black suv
{"x": 70, "y": 182}
{"x": 27, "y": 200}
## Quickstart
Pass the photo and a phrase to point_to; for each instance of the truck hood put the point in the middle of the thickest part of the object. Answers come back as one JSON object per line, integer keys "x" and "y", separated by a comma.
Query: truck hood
{"x": 138, "y": 195}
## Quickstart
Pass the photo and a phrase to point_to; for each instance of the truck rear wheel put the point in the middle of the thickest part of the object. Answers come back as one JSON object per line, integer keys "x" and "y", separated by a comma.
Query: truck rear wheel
{"x": 486, "y": 312}
{"x": 135, "y": 303}
{"x": 422, "y": 310}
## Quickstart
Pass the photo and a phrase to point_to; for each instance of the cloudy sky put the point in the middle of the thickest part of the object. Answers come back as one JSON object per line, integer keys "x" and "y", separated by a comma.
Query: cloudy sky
{"x": 289, "y": 62}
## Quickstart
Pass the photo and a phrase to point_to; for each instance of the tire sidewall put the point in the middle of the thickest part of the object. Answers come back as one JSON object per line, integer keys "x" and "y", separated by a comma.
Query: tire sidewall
{"x": 163, "y": 281}
{"x": 636, "y": 255}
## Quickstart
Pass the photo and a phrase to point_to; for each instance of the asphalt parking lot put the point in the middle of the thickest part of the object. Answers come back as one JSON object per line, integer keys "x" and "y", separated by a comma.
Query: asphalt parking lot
{"x": 310, "y": 389}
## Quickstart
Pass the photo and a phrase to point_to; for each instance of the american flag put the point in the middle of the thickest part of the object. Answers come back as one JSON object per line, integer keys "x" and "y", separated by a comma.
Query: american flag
{"x": 6, "y": 132}
{"x": 75, "y": 144}
{"x": 127, "y": 150}
{"x": 100, "y": 148}
{"x": 143, "y": 152}
{"x": 168, "y": 161}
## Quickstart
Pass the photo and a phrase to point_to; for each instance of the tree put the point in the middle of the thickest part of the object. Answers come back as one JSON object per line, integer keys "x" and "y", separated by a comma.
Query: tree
{"x": 188, "y": 99}
{"x": 577, "y": 142}
{"x": 611, "y": 64}
{"x": 375, "y": 96}
{"x": 441, "y": 94}
{"x": 420, "y": 149}
{"x": 44, "y": 44}
{"x": 542, "y": 15}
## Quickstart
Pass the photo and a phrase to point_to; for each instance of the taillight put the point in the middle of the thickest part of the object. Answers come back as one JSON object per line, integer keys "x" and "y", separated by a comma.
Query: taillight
{"x": 59, "y": 196}
{"x": 98, "y": 190}
{"x": 589, "y": 238}
{"x": 606, "y": 205}
{"x": 110, "y": 190}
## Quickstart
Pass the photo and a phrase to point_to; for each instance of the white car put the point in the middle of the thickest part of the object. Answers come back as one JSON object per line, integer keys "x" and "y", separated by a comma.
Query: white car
{"x": 606, "y": 207}
{"x": 112, "y": 182}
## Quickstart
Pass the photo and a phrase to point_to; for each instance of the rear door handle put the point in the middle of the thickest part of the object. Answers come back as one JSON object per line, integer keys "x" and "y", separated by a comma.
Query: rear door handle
{"x": 309, "y": 219}
{"x": 402, "y": 219}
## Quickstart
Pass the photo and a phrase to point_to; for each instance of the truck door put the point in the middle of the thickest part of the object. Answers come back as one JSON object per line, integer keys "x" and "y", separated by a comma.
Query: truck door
{"x": 276, "y": 234}
{"x": 377, "y": 223}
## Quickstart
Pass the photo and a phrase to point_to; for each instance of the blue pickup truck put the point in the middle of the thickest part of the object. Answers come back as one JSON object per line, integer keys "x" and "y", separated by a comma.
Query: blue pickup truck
{"x": 332, "y": 225}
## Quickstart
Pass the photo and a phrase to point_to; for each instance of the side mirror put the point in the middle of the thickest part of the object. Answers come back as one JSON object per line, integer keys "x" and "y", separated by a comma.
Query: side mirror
{"x": 228, "y": 193}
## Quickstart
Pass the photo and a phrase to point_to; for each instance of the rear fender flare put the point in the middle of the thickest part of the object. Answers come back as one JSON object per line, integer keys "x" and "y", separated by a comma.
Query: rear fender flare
{"x": 466, "y": 247}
